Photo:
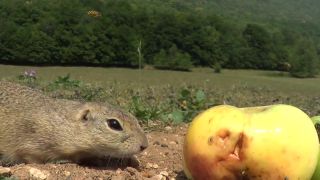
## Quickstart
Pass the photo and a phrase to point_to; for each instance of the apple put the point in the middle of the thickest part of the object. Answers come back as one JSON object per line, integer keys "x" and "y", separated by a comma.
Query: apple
{"x": 316, "y": 122}
{"x": 276, "y": 142}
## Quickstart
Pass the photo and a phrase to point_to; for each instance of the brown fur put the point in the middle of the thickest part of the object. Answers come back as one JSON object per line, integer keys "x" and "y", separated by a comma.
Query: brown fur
{"x": 35, "y": 128}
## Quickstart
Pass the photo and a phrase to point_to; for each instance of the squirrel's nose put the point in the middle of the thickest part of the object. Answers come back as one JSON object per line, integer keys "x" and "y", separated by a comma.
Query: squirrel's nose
{"x": 144, "y": 143}
{"x": 143, "y": 147}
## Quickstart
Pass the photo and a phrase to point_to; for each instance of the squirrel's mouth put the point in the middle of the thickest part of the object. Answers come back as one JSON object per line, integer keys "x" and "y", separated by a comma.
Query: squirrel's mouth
{"x": 111, "y": 162}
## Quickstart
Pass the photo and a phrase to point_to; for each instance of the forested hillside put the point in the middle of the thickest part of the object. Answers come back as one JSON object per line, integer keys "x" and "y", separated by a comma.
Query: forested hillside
{"x": 302, "y": 15}
{"x": 270, "y": 10}
{"x": 171, "y": 34}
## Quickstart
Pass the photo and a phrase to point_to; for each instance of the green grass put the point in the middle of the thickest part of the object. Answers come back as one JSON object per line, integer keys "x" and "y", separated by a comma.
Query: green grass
{"x": 199, "y": 77}
{"x": 172, "y": 95}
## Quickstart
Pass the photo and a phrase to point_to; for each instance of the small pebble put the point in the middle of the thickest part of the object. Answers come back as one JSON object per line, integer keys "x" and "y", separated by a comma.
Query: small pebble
{"x": 118, "y": 171}
{"x": 148, "y": 165}
{"x": 5, "y": 172}
{"x": 67, "y": 173}
{"x": 151, "y": 165}
{"x": 156, "y": 143}
{"x": 151, "y": 173}
{"x": 118, "y": 177}
{"x": 164, "y": 145}
{"x": 157, "y": 177}
{"x": 53, "y": 166}
{"x": 131, "y": 170}
{"x": 37, "y": 174}
{"x": 164, "y": 173}
{"x": 155, "y": 166}
{"x": 168, "y": 128}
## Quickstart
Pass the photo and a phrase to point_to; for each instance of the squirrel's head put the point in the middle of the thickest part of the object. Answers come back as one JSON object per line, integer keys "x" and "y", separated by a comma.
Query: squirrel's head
{"x": 113, "y": 132}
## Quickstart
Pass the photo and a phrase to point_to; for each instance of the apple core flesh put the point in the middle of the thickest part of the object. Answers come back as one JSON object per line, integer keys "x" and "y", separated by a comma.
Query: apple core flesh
{"x": 269, "y": 142}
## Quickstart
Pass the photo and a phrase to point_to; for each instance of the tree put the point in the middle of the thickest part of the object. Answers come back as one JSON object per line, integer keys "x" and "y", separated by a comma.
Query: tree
{"x": 260, "y": 47}
{"x": 305, "y": 61}
{"x": 174, "y": 33}
{"x": 173, "y": 59}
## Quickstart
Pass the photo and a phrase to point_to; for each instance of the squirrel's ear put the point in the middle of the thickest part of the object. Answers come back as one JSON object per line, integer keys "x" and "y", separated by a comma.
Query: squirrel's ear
{"x": 84, "y": 115}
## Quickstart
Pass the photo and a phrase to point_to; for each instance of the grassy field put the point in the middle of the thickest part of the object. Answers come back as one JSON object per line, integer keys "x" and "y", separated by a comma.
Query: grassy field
{"x": 199, "y": 77}
{"x": 155, "y": 94}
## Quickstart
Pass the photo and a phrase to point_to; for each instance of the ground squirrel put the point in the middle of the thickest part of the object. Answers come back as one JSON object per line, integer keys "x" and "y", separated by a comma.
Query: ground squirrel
{"x": 35, "y": 128}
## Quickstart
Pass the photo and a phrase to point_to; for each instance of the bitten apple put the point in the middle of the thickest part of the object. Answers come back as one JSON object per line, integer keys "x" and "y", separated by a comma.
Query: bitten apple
{"x": 316, "y": 122}
{"x": 277, "y": 142}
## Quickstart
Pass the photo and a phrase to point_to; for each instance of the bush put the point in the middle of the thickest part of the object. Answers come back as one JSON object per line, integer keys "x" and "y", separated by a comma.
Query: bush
{"x": 305, "y": 63}
{"x": 143, "y": 110}
{"x": 217, "y": 68}
{"x": 173, "y": 59}
{"x": 64, "y": 82}
{"x": 188, "y": 103}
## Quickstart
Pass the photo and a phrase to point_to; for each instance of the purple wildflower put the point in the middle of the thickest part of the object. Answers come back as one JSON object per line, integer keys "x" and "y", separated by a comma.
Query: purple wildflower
{"x": 30, "y": 74}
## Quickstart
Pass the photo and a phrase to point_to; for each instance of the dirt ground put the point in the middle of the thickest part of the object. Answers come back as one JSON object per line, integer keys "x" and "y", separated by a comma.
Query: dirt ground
{"x": 162, "y": 160}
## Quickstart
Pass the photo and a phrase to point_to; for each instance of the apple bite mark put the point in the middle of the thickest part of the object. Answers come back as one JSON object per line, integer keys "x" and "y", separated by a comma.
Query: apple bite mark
{"x": 232, "y": 158}
{"x": 233, "y": 161}
{"x": 227, "y": 164}
{"x": 219, "y": 140}
{"x": 208, "y": 169}
{"x": 237, "y": 151}
{"x": 224, "y": 133}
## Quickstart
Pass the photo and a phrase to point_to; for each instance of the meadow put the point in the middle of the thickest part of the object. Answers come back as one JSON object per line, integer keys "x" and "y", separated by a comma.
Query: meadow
{"x": 171, "y": 96}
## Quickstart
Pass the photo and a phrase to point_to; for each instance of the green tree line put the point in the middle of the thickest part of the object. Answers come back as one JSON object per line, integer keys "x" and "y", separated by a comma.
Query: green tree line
{"x": 173, "y": 35}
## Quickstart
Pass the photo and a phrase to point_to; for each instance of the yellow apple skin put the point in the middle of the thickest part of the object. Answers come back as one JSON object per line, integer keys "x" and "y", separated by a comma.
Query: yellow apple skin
{"x": 276, "y": 142}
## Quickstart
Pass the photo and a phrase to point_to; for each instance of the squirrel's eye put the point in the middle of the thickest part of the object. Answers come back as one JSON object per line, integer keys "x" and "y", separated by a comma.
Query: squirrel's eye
{"x": 114, "y": 124}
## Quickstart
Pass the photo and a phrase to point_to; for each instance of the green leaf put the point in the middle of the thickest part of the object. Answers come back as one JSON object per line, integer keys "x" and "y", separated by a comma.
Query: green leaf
{"x": 200, "y": 96}
{"x": 185, "y": 93}
{"x": 177, "y": 116}
{"x": 316, "y": 120}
